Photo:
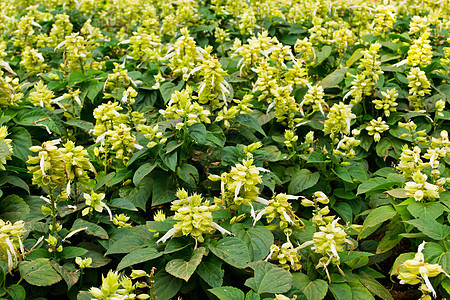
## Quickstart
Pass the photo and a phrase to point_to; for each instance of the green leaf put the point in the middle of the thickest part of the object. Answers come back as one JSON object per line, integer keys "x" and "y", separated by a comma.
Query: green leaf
{"x": 377, "y": 183}
{"x": 85, "y": 125}
{"x": 94, "y": 88}
{"x": 18, "y": 182}
{"x": 269, "y": 278}
{"x": 123, "y": 204}
{"x": 198, "y": 133}
{"x": 142, "y": 171}
{"x": 167, "y": 88}
{"x": 21, "y": 142}
{"x": 13, "y": 208}
{"x": 357, "y": 54}
{"x": 16, "y": 292}
{"x": 302, "y": 180}
{"x": 189, "y": 174}
{"x": 91, "y": 228}
{"x": 250, "y": 122}
{"x": 334, "y": 78}
{"x": 233, "y": 251}
{"x": 344, "y": 210}
{"x": 342, "y": 173}
{"x": 322, "y": 55}
{"x": 374, "y": 286}
{"x": 359, "y": 292}
{"x": 258, "y": 240}
{"x": 72, "y": 252}
{"x": 104, "y": 180}
{"x": 341, "y": 291}
{"x": 162, "y": 191}
{"x": 430, "y": 210}
{"x": 166, "y": 286}
{"x": 210, "y": 270}
{"x": 68, "y": 272}
{"x": 431, "y": 228}
{"x": 138, "y": 256}
{"x": 170, "y": 159}
{"x": 251, "y": 295}
{"x": 228, "y": 293}
{"x": 136, "y": 238}
{"x": 75, "y": 77}
{"x": 313, "y": 290}
{"x": 39, "y": 272}
{"x": 184, "y": 269}
{"x": 375, "y": 219}
{"x": 140, "y": 194}
{"x": 36, "y": 117}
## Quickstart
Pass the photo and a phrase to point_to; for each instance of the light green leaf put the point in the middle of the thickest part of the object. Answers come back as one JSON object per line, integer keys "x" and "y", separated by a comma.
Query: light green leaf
{"x": 269, "y": 278}
{"x": 72, "y": 252}
{"x": 184, "y": 269}
{"x": 68, "y": 272}
{"x": 377, "y": 183}
{"x": 250, "y": 122}
{"x": 258, "y": 240}
{"x": 142, "y": 171}
{"x": 334, "y": 78}
{"x": 374, "y": 286}
{"x": 13, "y": 208}
{"x": 431, "y": 228}
{"x": 16, "y": 292}
{"x": 313, "y": 290}
{"x": 188, "y": 173}
{"x": 430, "y": 210}
{"x": 400, "y": 260}
{"x": 342, "y": 173}
{"x": 138, "y": 256}
{"x": 210, "y": 270}
{"x": 91, "y": 228}
{"x": 166, "y": 286}
{"x": 233, "y": 251}
{"x": 375, "y": 219}
{"x": 302, "y": 180}
{"x": 341, "y": 291}
{"x": 228, "y": 293}
{"x": 21, "y": 142}
{"x": 198, "y": 133}
{"x": 39, "y": 272}
{"x": 359, "y": 292}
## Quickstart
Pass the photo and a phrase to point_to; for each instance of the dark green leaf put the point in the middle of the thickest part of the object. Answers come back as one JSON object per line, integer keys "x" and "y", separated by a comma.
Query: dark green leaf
{"x": 313, "y": 289}
{"x": 184, "y": 269}
{"x": 269, "y": 278}
{"x": 39, "y": 272}
{"x": 228, "y": 293}
{"x": 138, "y": 256}
{"x": 233, "y": 251}
{"x": 302, "y": 180}
{"x": 198, "y": 133}
{"x": 250, "y": 122}
{"x": 90, "y": 228}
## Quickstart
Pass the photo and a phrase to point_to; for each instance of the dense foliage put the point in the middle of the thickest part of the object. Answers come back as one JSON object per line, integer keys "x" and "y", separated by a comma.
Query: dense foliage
{"x": 224, "y": 149}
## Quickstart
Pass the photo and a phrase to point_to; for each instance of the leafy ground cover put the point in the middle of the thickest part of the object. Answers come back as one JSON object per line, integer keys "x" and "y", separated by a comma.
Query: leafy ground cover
{"x": 224, "y": 149}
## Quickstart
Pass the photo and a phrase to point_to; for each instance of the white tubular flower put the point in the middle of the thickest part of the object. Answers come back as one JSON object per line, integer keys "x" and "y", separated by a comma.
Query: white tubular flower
{"x": 220, "y": 228}
{"x": 167, "y": 236}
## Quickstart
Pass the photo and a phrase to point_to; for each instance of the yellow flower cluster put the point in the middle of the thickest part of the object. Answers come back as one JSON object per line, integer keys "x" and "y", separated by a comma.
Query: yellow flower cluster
{"x": 11, "y": 242}
{"x": 6, "y": 147}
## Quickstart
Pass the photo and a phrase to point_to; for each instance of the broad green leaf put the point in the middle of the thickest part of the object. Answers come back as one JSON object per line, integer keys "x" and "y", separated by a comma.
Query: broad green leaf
{"x": 36, "y": 117}
{"x": 166, "y": 285}
{"x": 322, "y": 55}
{"x": 138, "y": 256}
{"x": 399, "y": 193}
{"x": 90, "y": 228}
{"x": 130, "y": 242}
{"x": 250, "y": 122}
{"x": 342, "y": 173}
{"x": 197, "y": 132}
{"x": 68, "y": 272}
{"x": 258, "y": 240}
{"x": 334, "y": 78}
{"x": 357, "y": 54}
{"x": 167, "y": 88}
{"x": 373, "y": 184}
{"x": 142, "y": 171}
{"x": 85, "y": 125}
{"x": 393, "y": 235}
{"x": 400, "y": 260}
{"x": 18, "y": 182}
{"x": 228, "y": 293}
{"x": 175, "y": 245}
{"x": 189, "y": 174}
{"x": 313, "y": 289}
{"x": 140, "y": 194}
{"x": 21, "y": 142}
{"x": 122, "y": 204}
{"x": 430, "y": 210}
{"x": 210, "y": 270}
{"x": 162, "y": 191}
{"x": 13, "y": 208}
{"x": 359, "y": 292}
{"x": 75, "y": 77}
{"x": 104, "y": 180}
{"x": 374, "y": 286}
{"x": 39, "y": 272}
{"x": 72, "y": 252}
{"x": 302, "y": 180}
{"x": 233, "y": 251}
{"x": 16, "y": 292}
{"x": 341, "y": 291}
{"x": 344, "y": 210}
{"x": 170, "y": 159}
{"x": 184, "y": 269}
{"x": 375, "y": 219}
{"x": 431, "y": 228}
{"x": 269, "y": 278}
{"x": 251, "y": 295}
